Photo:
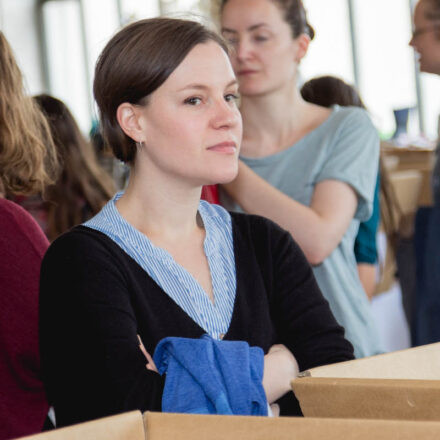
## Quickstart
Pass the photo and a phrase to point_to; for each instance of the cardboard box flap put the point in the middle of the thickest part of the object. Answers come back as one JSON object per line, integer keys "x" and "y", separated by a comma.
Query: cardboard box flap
{"x": 127, "y": 426}
{"x": 161, "y": 426}
{"x": 415, "y": 363}
{"x": 368, "y": 398}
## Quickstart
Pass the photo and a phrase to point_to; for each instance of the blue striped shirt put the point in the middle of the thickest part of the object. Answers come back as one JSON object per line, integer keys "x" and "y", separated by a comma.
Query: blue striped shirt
{"x": 176, "y": 281}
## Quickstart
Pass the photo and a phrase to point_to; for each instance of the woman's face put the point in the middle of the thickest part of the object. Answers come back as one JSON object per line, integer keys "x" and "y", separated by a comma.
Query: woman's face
{"x": 265, "y": 55}
{"x": 426, "y": 39}
{"x": 191, "y": 126}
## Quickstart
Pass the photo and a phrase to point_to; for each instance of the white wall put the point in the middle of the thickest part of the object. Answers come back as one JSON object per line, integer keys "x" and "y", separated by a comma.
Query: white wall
{"x": 19, "y": 24}
{"x": 383, "y": 28}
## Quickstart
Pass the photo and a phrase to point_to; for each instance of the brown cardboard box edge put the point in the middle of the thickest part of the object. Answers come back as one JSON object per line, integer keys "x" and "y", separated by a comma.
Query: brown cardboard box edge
{"x": 129, "y": 425}
{"x": 394, "y": 399}
{"x": 421, "y": 363}
{"x": 403, "y": 385}
{"x": 162, "y": 426}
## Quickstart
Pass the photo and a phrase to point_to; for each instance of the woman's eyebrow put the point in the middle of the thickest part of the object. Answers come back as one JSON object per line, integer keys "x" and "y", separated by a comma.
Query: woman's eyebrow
{"x": 250, "y": 28}
{"x": 198, "y": 86}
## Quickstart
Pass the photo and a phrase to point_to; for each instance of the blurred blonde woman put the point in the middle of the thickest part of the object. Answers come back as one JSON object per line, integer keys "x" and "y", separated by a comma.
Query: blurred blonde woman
{"x": 27, "y": 164}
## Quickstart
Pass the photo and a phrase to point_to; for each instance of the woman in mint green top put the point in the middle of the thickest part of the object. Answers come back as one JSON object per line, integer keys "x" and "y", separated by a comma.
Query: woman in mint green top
{"x": 327, "y": 91}
{"x": 310, "y": 169}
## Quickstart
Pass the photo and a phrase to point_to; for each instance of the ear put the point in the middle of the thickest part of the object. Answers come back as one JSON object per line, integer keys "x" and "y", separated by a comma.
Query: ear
{"x": 302, "y": 46}
{"x": 128, "y": 118}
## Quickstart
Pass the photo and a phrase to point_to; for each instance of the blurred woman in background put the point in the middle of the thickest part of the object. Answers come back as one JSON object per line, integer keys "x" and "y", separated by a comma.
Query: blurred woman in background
{"x": 328, "y": 91}
{"x": 27, "y": 165}
{"x": 426, "y": 42}
{"x": 310, "y": 169}
{"x": 83, "y": 187}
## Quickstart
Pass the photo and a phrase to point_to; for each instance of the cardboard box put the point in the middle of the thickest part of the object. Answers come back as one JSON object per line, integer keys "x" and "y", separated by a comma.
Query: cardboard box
{"x": 401, "y": 385}
{"x": 127, "y": 426}
{"x": 413, "y": 158}
{"x": 369, "y": 398}
{"x": 159, "y": 426}
{"x": 196, "y": 427}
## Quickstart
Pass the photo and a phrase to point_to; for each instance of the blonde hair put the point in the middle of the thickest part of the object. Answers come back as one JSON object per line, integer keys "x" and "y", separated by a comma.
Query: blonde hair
{"x": 28, "y": 160}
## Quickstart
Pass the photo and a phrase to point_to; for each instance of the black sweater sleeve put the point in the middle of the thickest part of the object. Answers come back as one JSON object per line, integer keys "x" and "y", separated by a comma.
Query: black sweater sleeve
{"x": 298, "y": 315}
{"x": 91, "y": 362}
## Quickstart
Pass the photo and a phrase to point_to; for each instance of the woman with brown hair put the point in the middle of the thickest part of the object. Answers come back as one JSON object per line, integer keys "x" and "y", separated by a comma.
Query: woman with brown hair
{"x": 27, "y": 165}
{"x": 82, "y": 188}
{"x": 157, "y": 262}
{"x": 309, "y": 168}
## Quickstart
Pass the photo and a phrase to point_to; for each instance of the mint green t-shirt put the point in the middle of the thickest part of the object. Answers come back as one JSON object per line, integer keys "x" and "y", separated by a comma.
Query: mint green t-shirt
{"x": 345, "y": 147}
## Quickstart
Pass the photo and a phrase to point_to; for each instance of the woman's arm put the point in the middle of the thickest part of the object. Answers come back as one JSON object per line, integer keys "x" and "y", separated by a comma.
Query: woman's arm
{"x": 367, "y": 275}
{"x": 303, "y": 319}
{"x": 280, "y": 367}
{"x": 318, "y": 229}
{"x": 91, "y": 360}
{"x": 343, "y": 187}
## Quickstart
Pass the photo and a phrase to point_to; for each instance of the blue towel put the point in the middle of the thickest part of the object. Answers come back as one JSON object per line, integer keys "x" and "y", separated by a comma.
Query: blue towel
{"x": 206, "y": 376}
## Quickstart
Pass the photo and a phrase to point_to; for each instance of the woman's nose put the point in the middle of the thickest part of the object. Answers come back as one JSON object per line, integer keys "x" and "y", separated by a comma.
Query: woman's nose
{"x": 242, "y": 50}
{"x": 226, "y": 115}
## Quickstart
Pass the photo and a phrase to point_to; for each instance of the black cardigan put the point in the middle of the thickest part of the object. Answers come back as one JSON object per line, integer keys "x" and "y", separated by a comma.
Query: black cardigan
{"x": 95, "y": 299}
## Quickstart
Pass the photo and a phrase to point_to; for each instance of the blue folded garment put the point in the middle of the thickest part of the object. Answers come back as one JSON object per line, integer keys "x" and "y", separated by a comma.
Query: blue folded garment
{"x": 206, "y": 376}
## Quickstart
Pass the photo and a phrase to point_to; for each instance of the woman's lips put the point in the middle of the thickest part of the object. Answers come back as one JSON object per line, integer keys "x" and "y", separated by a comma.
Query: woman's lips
{"x": 246, "y": 72}
{"x": 224, "y": 147}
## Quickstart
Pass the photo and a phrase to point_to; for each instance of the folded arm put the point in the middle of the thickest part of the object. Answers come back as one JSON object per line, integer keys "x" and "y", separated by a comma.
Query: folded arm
{"x": 280, "y": 367}
{"x": 318, "y": 229}
{"x": 92, "y": 363}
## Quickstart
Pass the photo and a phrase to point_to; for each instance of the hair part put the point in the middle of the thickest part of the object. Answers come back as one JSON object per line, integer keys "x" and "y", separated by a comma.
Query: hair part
{"x": 135, "y": 63}
{"x": 28, "y": 160}
{"x": 294, "y": 14}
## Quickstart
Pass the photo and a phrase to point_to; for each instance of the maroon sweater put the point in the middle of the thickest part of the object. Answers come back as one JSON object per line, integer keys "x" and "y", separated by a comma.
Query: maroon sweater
{"x": 23, "y": 405}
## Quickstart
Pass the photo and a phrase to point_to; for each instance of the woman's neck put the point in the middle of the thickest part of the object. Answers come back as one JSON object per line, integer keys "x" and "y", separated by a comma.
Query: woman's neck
{"x": 276, "y": 120}
{"x": 162, "y": 209}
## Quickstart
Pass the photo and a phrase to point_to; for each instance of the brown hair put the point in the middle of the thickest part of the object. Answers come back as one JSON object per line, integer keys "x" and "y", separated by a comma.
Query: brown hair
{"x": 28, "y": 159}
{"x": 433, "y": 13}
{"x": 83, "y": 186}
{"x": 294, "y": 14}
{"x": 329, "y": 90}
{"x": 136, "y": 62}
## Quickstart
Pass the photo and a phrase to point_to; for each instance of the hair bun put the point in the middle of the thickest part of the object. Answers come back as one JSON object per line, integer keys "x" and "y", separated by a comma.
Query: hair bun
{"x": 310, "y": 31}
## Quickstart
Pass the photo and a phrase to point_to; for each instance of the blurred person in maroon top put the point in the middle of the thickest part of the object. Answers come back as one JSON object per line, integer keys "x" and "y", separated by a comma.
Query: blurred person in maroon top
{"x": 27, "y": 164}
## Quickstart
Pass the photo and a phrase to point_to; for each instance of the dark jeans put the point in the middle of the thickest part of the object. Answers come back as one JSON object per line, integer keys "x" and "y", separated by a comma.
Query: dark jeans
{"x": 426, "y": 313}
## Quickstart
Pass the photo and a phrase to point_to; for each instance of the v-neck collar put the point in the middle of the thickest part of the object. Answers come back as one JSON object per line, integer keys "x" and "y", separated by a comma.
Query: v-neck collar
{"x": 198, "y": 329}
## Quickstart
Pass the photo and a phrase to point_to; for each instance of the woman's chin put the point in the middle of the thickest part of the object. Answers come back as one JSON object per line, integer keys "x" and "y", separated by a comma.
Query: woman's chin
{"x": 228, "y": 175}
{"x": 222, "y": 178}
